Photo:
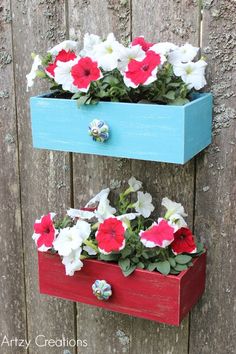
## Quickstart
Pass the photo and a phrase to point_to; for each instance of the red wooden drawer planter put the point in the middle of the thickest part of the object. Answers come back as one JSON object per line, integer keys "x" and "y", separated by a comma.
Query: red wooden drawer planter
{"x": 145, "y": 294}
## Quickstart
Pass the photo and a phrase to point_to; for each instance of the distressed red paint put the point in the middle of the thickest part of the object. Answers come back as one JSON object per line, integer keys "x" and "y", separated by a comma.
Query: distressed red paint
{"x": 150, "y": 295}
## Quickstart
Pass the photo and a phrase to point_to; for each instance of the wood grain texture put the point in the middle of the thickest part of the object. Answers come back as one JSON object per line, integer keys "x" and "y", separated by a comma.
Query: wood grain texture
{"x": 176, "y": 21}
{"x": 108, "y": 332}
{"x": 165, "y": 299}
{"x": 12, "y": 292}
{"x": 213, "y": 322}
{"x": 45, "y": 176}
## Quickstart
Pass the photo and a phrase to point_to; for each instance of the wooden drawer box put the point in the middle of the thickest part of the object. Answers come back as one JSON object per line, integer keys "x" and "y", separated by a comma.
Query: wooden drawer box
{"x": 145, "y": 294}
{"x": 139, "y": 131}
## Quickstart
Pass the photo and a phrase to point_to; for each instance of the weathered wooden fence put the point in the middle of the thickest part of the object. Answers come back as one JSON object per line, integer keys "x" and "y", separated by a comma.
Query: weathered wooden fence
{"x": 32, "y": 182}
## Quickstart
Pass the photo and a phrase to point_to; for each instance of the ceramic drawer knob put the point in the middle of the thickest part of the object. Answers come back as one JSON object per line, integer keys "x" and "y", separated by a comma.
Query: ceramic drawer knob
{"x": 101, "y": 289}
{"x": 99, "y": 130}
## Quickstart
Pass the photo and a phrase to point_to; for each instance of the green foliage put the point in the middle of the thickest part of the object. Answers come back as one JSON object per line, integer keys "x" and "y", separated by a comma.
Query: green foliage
{"x": 62, "y": 223}
{"x": 112, "y": 257}
{"x": 41, "y": 74}
{"x": 47, "y": 59}
{"x": 163, "y": 267}
{"x": 183, "y": 259}
{"x": 167, "y": 89}
{"x": 134, "y": 255}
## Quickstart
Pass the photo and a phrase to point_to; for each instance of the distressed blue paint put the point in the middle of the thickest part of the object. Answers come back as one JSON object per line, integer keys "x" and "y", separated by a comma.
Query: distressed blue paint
{"x": 141, "y": 131}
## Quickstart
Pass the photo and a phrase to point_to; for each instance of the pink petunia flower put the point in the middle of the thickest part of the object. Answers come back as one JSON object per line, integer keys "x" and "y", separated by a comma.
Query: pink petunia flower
{"x": 161, "y": 235}
{"x": 183, "y": 242}
{"x": 141, "y": 41}
{"x": 111, "y": 236}
{"x": 63, "y": 56}
{"x": 44, "y": 232}
{"x": 85, "y": 72}
{"x": 142, "y": 72}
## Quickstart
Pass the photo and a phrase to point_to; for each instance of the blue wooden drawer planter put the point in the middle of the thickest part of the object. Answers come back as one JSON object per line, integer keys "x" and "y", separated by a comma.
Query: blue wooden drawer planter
{"x": 139, "y": 131}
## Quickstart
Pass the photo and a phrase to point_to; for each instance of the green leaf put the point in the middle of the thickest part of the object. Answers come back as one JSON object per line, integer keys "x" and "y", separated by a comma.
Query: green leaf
{"x": 163, "y": 267}
{"x": 82, "y": 100}
{"x": 172, "y": 262}
{"x": 41, "y": 74}
{"x": 111, "y": 80}
{"x": 129, "y": 270}
{"x": 124, "y": 264}
{"x": 145, "y": 254}
{"x": 76, "y": 95}
{"x": 175, "y": 272}
{"x": 180, "y": 267}
{"x": 47, "y": 59}
{"x": 179, "y": 101}
{"x": 140, "y": 265}
{"x": 200, "y": 248}
{"x": 174, "y": 84}
{"x": 94, "y": 101}
{"x": 126, "y": 252}
{"x": 102, "y": 94}
{"x": 109, "y": 257}
{"x": 183, "y": 259}
{"x": 55, "y": 87}
{"x": 88, "y": 100}
{"x": 152, "y": 266}
{"x": 170, "y": 95}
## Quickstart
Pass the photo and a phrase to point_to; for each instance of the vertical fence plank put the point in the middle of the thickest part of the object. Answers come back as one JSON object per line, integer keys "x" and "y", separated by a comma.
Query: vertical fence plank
{"x": 176, "y": 21}
{"x": 213, "y": 321}
{"x": 44, "y": 176}
{"x": 12, "y": 294}
{"x": 106, "y": 332}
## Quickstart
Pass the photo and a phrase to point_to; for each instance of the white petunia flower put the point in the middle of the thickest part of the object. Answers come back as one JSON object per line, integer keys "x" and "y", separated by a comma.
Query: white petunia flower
{"x": 84, "y": 229}
{"x": 63, "y": 75}
{"x": 134, "y": 184}
{"x": 127, "y": 54}
{"x": 144, "y": 204}
{"x": 177, "y": 221}
{"x": 125, "y": 218}
{"x": 107, "y": 53}
{"x": 68, "y": 240}
{"x": 33, "y": 72}
{"x": 183, "y": 54}
{"x": 193, "y": 74}
{"x": 128, "y": 216}
{"x": 78, "y": 213}
{"x": 65, "y": 45}
{"x": 103, "y": 194}
{"x": 72, "y": 262}
{"x": 90, "y": 40}
{"x": 173, "y": 208}
{"x": 163, "y": 48}
{"x": 104, "y": 210}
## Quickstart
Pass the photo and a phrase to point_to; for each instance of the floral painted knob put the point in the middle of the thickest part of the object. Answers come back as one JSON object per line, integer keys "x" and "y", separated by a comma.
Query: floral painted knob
{"x": 101, "y": 289}
{"x": 99, "y": 130}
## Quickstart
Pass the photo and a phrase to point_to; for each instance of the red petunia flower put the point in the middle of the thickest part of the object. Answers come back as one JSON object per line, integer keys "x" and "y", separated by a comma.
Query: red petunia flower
{"x": 161, "y": 235}
{"x": 141, "y": 41}
{"x": 142, "y": 72}
{"x": 111, "y": 236}
{"x": 183, "y": 242}
{"x": 84, "y": 72}
{"x": 63, "y": 56}
{"x": 44, "y": 232}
